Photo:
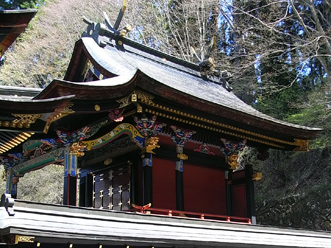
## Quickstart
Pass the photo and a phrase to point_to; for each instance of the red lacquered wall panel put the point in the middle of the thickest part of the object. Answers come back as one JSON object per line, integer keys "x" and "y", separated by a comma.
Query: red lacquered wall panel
{"x": 164, "y": 184}
{"x": 204, "y": 190}
{"x": 239, "y": 200}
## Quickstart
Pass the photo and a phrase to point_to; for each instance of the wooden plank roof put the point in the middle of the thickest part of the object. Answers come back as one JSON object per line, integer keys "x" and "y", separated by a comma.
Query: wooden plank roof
{"x": 47, "y": 223}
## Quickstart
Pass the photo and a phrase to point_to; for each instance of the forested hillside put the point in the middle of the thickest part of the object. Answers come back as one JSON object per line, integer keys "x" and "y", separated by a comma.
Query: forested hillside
{"x": 276, "y": 55}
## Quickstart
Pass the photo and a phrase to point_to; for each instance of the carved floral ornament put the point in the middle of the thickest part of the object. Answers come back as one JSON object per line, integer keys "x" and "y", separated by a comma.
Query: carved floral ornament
{"x": 151, "y": 144}
{"x": 148, "y": 127}
{"x": 23, "y": 120}
{"x": 205, "y": 149}
{"x": 76, "y": 149}
{"x": 116, "y": 115}
{"x": 231, "y": 149}
{"x": 135, "y": 97}
{"x": 181, "y": 135}
{"x": 79, "y": 134}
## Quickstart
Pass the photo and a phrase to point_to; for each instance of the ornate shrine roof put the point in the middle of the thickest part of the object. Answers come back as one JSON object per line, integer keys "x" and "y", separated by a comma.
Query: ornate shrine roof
{"x": 176, "y": 88}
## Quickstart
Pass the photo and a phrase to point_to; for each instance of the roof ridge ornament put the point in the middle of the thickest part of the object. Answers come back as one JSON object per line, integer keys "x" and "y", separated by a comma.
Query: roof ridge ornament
{"x": 95, "y": 30}
{"x": 206, "y": 62}
{"x": 207, "y": 65}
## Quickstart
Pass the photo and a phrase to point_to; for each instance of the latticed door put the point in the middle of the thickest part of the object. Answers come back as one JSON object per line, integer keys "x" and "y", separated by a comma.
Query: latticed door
{"x": 112, "y": 189}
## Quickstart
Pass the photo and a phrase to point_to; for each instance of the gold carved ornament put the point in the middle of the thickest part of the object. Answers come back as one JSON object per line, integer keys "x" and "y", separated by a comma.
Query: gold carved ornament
{"x": 134, "y": 97}
{"x": 182, "y": 156}
{"x": 302, "y": 145}
{"x": 232, "y": 161}
{"x": 257, "y": 176}
{"x": 15, "y": 239}
{"x": 25, "y": 120}
{"x": 76, "y": 149}
{"x": 151, "y": 144}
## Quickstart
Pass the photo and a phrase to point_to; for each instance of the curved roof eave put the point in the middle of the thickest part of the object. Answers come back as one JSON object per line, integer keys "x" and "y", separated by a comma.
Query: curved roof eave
{"x": 102, "y": 89}
{"x": 259, "y": 119}
{"x": 198, "y": 88}
{"x": 32, "y": 105}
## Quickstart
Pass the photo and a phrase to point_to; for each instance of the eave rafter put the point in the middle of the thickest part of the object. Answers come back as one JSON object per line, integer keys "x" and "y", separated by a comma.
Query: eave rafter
{"x": 15, "y": 141}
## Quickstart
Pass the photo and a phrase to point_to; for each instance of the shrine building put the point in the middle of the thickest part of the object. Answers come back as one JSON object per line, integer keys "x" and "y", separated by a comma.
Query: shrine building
{"x": 149, "y": 145}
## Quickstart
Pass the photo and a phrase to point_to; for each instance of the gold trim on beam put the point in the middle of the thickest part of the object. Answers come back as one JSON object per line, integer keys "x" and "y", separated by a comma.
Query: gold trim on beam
{"x": 213, "y": 129}
{"x": 26, "y": 119}
{"x": 6, "y": 147}
{"x": 133, "y": 97}
{"x": 302, "y": 145}
{"x": 174, "y": 111}
{"x": 20, "y": 139}
{"x": 15, "y": 239}
{"x": 25, "y": 135}
{"x": 13, "y": 142}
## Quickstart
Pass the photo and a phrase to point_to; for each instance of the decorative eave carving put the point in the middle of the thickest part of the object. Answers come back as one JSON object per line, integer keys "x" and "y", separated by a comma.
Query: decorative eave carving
{"x": 135, "y": 97}
{"x": 76, "y": 149}
{"x": 151, "y": 144}
{"x": 302, "y": 145}
{"x": 58, "y": 114}
{"x": 79, "y": 134}
{"x": 148, "y": 127}
{"x": 195, "y": 120}
{"x": 25, "y": 120}
{"x": 43, "y": 160}
{"x": 231, "y": 149}
{"x": 124, "y": 128}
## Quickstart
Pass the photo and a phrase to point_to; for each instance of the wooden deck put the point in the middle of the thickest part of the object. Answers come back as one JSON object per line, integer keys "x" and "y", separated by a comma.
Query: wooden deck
{"x": 60, "y": 226}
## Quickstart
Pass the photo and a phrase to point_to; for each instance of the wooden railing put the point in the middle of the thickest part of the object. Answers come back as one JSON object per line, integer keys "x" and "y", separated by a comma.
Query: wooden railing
{"x": 186, "y": 214}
